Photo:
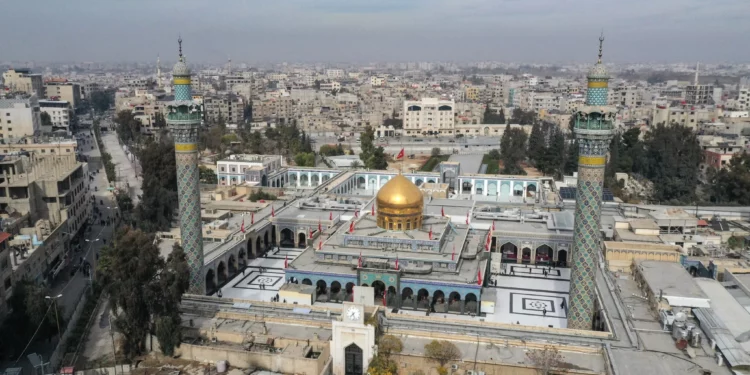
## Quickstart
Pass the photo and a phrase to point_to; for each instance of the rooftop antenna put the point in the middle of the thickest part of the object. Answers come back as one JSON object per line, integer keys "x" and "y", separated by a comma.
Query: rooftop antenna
{"x": 601, "y": 43}
{"x": 697, "y": 68}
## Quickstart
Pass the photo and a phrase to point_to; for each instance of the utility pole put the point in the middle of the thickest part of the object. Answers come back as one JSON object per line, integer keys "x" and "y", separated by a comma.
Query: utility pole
{"x": 57, "y": 318}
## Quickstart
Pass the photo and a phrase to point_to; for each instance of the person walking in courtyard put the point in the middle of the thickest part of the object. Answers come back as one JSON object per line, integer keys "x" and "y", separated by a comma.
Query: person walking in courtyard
{"x": 544, "y": 311}
{"x": 219, "y": 293}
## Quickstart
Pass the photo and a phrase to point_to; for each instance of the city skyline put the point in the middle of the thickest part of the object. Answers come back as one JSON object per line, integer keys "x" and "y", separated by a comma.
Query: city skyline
{"x": 363, "y": 31}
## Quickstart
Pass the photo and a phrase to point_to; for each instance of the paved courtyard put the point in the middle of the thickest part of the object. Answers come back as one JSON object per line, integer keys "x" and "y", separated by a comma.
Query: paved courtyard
{"x": 262, "y": 278}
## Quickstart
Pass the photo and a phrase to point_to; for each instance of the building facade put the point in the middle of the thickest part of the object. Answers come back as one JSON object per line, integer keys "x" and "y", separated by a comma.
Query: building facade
{"x": 22, "y": 80}
{"x": 67, "y": 91}
{"x": 429, "y": 116}
{"x": 60, "y": 113}
{"x": 227, "y": 108}
{"x": 19, "y": 117}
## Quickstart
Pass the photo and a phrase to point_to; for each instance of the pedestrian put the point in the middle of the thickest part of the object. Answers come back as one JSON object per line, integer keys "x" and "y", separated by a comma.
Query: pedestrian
{"x": 219, "y": 293}
{"x": 285, "y": 300}
{"x": 544, "y": 312}
{"x": 277, "y": 296}
{"x": 243, "y": 272}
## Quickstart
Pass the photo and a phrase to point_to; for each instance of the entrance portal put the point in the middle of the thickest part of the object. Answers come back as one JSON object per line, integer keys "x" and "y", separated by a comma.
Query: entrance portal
{"x": 353, "y": 360}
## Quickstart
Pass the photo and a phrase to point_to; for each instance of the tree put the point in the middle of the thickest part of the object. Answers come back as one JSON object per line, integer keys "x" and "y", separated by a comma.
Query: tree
{"x": 435, "y": 151}
{"x": 545, "y": 360}
{"x": 332, "y": 150}
{"x": 501, "y": 116}
{"x": 513, "y": 150}
{"x": 389, "y": 344}
{"x": 672, "y": 156}
{"x": 159, "y": 184}
{"x": 46, "y": 119}
{"x": 442, "y": 352}
{"x": 570, "y": 164}
{"x": 102, "y": 100}
{"x": 305, "y": 159}
{"x": 28, "y": 310}
{"x": 536, "y": 142}
{"x": 355, "y": 165}
{"x": 143, "y": 287}
{"x": 732, "y": 183}
{"x": 207, "y": 175}
{"x": 372, "y": 158}
{"x": 127, "y": 127}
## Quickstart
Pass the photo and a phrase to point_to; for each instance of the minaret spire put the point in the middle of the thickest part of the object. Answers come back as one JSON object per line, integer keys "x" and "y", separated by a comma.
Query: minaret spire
{"x": 179, "y": 42}
{"x": 158, "y": 71}
{"x": 601, "y": 46}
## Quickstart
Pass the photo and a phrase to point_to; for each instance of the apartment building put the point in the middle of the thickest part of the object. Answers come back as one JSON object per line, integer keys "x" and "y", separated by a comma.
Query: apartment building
{"x": 242, "y": 168}
{"x": 471, "y": 93}
{"x": 699, "y": 94}
{"x": 539, "y": 100}
{"x": 429, "y": 116}
{"x": 377, "y": 81}
{"x": 627, "y": 96}
{"x": 227, "y": 108}
{"x": 40, "y": 146}
{"x": 281, "y": 109}
{"x": 330, "y": 86}
{"x": 19, "y": 117}
{"x": 88, "y": 88}
{"x": 67, "y": 91}
{"x": 743, "y": 98}
{"x": 60, "y": 113}
{"x": 22, "y": 80}
{"x": 334, "y": 73}
{"x": 687, "y": 115}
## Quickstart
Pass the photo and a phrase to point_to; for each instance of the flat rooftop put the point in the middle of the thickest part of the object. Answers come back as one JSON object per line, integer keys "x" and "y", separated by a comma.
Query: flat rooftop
{"x": 616, "y": 245}
{"x": 672, "y": 279}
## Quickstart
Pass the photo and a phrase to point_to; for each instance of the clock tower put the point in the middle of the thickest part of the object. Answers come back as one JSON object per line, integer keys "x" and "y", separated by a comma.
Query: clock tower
{"x": 353, "y": 341}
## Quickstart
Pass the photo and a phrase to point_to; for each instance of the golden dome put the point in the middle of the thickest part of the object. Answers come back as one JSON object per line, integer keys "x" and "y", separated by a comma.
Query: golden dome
{"x": 399, "y": 192}
{"x": 400, "y": 205}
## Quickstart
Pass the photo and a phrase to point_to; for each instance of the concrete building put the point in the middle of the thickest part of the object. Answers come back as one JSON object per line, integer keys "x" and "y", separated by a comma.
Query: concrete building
{"x": 40, "y": 146}
{"x": 19, "y": 117}
{"x": 330, "y": 86}
{"x": 429, "y": 116}
{"x": 60, "y": 112}
{"x": 335, "y": 73}
{"x": 22, "y": 80}
{"x": 67, "y": 91}
{"x": 6, "y": 272}
{"x": 743, "y": 98}
{"x": 690, "y": 116}
{"x": 280, "y": 109}
{"x": 242, "y": 168}
{"x": 627, "y": 96}
{"x": 699, "y": 94}
{"x": 228, "y": 108}
{"x": 39, "y": 252}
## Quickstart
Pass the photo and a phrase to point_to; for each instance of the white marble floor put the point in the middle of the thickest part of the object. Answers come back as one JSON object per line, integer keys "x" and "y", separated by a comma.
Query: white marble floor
{"x": 262, "y": 278}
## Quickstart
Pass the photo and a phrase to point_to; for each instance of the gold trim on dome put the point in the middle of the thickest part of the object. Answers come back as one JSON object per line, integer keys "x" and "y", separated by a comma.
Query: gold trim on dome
{"x": 181, "y": 81}
{"x": 597, "y": 85}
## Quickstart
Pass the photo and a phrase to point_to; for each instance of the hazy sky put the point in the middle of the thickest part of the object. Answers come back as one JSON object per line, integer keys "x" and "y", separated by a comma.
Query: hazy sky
{"x": 375, "y": 30}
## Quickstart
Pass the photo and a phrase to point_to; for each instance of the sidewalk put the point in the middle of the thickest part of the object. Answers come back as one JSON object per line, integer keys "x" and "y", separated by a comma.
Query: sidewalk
{"x": 126, "y": 174}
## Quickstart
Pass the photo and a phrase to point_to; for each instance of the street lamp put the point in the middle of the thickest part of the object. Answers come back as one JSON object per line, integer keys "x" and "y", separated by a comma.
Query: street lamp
{"x": 57, "y": 318}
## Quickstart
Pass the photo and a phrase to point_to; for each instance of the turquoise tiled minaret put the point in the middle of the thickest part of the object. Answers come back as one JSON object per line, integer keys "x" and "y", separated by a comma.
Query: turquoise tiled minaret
{"x": 593, "y": 127}
{"x": 184, "y": 120}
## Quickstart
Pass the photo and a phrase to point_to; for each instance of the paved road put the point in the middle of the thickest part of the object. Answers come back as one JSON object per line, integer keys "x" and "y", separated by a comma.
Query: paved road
{"x": 448, "y": 145}
{"x": 126, "y": 165}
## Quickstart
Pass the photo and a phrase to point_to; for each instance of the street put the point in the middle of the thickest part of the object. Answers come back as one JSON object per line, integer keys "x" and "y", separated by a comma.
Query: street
{"x": 423, "y": 145}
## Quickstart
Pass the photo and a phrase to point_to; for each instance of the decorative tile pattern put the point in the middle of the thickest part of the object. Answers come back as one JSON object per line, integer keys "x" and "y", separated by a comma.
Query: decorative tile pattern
{"x": 596, "y": 96}
{"x": 188, "y": 193}
{"x": 183, "y": 92}
{"x": 586, "y": 245}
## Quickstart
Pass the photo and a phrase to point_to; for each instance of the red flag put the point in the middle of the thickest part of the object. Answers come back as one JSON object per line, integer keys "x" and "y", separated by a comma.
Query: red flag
{"x": 286, "y": 261}
{"x": 479, "y": 277}
{"x": 396, "y": 262}
{"x": 359, "y": 260}
{"x": 356, "y": 213}
{"x": 351, "y": 227}
{"x": 320, "y": 227}
{"x": 252, "y": 218}
{"x": 493, "y": 225}
{"x": 273, "y": 212}
{"x": 442, "y": 211}
{"x": 320, "y": 245}
{"x": 430, "y": 232}
{"x": 242, "y": 228}
{"x": 453, "y": 255}
{"x": 372, "y": 210}
{"x": 488, "y": 243}
{"x": 400, "y": 154}
{"x": 330, "y": 216}
{"x": 309, "y": 234}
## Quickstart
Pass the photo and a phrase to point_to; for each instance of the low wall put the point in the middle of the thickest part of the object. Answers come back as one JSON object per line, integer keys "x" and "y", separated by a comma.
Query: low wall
{"x": 409, "y": 364}
{"x": 276, "y": 362}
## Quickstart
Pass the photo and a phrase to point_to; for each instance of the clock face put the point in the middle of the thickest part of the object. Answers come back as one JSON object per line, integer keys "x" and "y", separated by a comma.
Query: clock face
{"x": 352, "y": 313}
